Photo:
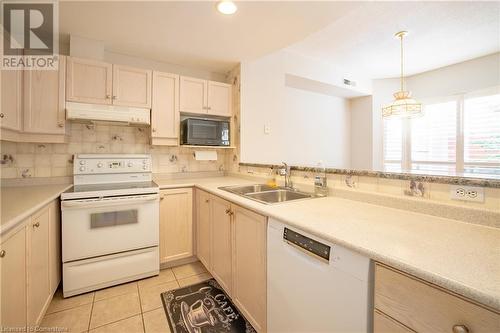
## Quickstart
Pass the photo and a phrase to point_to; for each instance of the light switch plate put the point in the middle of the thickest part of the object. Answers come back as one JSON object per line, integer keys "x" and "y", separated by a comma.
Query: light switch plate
{"x": 467, "y": 193}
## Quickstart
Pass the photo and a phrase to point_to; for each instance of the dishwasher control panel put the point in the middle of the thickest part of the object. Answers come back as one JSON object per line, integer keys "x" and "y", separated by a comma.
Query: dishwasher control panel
{"x": 307, "y": 244}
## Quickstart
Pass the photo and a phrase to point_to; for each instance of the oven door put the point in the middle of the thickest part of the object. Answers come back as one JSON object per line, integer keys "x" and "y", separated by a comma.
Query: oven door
{"x": 96, "y": 227}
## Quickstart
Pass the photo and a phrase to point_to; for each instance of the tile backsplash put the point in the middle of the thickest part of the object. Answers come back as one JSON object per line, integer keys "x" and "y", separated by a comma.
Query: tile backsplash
{"x": 25, "y": 160}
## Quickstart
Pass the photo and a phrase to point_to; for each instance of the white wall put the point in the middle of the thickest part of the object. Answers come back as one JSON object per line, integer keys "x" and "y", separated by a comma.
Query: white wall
{"x": 361, "y": 132}
{"x": 89, "y": 48}
{"x": 305, "y": 127}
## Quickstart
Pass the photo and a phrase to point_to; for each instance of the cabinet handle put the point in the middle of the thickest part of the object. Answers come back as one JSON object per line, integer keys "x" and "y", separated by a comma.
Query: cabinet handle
{"x": 228, "y": 211}
{"x": 114, "y": 97}
{"x": 209, "y": 108}
{"x": 207, "y": 200}
{"x": 36, "y": 225}
{"x": 2, "y": 115}
{"x": 2, "y": 253}
{"x": 108, "y": 96}
{"x": 460, "y": 329}
{"x": 154, "y": 130}
{"x": 60, "y": 124}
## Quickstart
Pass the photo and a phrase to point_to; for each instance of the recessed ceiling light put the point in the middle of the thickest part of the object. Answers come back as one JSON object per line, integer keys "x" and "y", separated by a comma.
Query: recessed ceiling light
{"x": 227, "y": 7}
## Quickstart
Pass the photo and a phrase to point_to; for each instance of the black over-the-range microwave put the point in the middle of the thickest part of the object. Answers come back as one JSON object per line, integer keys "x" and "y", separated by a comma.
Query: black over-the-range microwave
{"x": 204, "y": 132}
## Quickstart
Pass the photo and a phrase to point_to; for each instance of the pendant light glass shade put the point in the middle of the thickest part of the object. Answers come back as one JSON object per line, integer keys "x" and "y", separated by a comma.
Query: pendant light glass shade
{"x": 403, "y": 105}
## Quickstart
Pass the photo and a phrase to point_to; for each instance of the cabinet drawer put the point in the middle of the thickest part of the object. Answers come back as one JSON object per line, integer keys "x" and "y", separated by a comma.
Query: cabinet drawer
{"x": 385, "y": 324}
{"x": 427, "y": 308}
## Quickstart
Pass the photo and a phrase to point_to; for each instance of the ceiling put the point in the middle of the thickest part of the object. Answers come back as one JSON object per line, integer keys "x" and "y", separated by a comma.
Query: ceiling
{"x": 440, "y": 34}
{"x": 193, "y": 33}
{"x": 354, "y": 36}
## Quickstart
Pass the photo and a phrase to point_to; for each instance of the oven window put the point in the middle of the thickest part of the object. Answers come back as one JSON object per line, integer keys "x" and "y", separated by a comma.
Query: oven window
{"x": 112, "y": 219}
{"x": 204, "y": 130}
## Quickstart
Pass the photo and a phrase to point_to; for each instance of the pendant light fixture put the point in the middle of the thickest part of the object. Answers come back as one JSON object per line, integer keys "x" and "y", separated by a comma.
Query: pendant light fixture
{"x": 403, "y": 105}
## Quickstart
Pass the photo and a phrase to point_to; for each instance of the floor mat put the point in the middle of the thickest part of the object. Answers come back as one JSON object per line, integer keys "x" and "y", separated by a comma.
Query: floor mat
{"x": 203, "y": 308}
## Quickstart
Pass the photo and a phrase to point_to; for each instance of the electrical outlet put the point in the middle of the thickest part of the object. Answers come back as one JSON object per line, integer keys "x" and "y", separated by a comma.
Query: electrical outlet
{"x": 467, "y": 193}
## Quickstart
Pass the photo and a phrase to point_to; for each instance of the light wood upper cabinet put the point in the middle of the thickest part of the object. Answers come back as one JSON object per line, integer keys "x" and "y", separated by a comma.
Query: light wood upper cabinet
{"x": 176, "y": 224}
{"x": 10, "y": 114}
{"x": 221, "y": 248}
{"x": 13, "y": 280}
{"x": 131, "y": 86}
{"x": 165, "y": 109}
{"x": 39, "y": 294}
{"x": 89, "y": 81}
{"x": 193, "y": 95}
{"x": 219, "y": 99}
{"x": 203, "y": 227}
{"x": 249, "y": 265}
{"x": 205, "y": 97}
{"x": 44, "y": 100}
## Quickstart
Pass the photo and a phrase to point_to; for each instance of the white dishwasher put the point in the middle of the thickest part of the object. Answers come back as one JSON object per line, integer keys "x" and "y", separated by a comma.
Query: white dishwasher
{"x": 314, "y": 286}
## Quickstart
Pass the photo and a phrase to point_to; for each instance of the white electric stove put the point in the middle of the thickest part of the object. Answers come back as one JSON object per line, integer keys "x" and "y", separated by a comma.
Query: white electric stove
{"x": 110, "y": 222}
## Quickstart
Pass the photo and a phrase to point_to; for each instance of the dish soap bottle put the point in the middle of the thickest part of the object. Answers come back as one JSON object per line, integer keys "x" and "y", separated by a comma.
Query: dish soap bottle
{"x": 271, "y": 178}
{"x": 320, "y": 183}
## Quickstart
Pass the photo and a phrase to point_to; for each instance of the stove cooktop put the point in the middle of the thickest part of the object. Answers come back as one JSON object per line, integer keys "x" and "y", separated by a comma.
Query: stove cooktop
{"x": 106, "y": 190}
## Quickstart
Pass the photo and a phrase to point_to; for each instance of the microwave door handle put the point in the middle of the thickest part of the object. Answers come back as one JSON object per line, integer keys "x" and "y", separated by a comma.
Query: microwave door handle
{"x": 107, "y": 202}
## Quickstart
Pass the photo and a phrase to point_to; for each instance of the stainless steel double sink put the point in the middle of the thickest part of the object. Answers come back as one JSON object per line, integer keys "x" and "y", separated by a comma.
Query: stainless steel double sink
{"x": 267, "y": 194}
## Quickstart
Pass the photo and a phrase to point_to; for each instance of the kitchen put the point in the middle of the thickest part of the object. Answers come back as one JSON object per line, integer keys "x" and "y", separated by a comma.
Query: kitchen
{"x": 243, "y": 177}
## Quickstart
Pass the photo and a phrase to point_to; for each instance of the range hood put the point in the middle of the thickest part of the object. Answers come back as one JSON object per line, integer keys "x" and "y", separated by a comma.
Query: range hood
{"x": 112, "y": 114}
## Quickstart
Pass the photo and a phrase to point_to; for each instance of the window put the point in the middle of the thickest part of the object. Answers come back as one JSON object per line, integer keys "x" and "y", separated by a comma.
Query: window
{"x": 460, "y": 134}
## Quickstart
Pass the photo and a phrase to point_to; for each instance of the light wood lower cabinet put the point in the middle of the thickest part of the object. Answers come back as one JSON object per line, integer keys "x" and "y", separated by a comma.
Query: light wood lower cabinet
{"x": 38, "y": 265}
{"x": 423, "y": 307}
{"x": 221, "y": 246}
{"x": 231, "y": 243}
{"x": 203, "y": 228}
{"x": 249, "y": 265}
{"x": 30, "y": 268}
{"x": 176, "y": 224}
{"x": 13, "y": 280}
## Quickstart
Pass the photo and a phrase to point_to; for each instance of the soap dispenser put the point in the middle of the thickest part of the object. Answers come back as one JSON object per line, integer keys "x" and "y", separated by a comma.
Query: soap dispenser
{"x": 320, "y": 183}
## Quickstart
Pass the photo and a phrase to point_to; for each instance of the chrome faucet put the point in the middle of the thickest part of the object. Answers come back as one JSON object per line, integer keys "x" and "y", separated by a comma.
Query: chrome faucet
{"x": 287, "y": 172}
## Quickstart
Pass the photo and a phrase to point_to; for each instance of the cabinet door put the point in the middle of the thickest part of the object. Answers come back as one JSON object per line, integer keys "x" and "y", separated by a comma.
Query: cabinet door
{"x": 10, "y": 115}
{"x": 219, "y": 99}
{"x": 13, "y": 280}
{"x": 165, "y": 110}
{"x": 193, "y": 95}
{"x": 222, "y": 243}
{"x": 203, "y": 227}
{"x": 176, "y": 224}
{"x": 54, "y": 245}
{"x": 131, "y": 86}
{"x": 249, "y": 260}
{"x": 88, "y": 81}
{"x": 44, "y": 100}
{"x": 38, "y": 266}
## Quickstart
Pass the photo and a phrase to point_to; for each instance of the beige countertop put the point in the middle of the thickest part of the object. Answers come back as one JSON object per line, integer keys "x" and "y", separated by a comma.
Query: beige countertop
{"x": 461, "y": 257}
{"x": 458, "y": 256}
{"x": 19, "y": 202}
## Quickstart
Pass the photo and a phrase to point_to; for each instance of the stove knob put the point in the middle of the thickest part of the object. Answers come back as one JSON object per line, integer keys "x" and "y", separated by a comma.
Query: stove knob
{"x": 144, "y": 161}
{"x": 82, "y": 168}
{"x": 99, "y": 165}
{"x": 145, "y": 167}
{"x": 129, "y": 164}
{"x": 82, "y": 162}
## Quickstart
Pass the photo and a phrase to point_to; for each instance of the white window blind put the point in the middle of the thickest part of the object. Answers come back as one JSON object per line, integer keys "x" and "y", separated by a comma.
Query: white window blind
{"x": 429, "y": 143}
{"x": 434, "y": 137}
{"x": 393, "y": 142}
{"x": 482, "y": 130}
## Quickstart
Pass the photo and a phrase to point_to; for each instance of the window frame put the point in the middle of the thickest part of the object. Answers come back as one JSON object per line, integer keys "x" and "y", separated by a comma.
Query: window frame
{"x": 459, "y": 163}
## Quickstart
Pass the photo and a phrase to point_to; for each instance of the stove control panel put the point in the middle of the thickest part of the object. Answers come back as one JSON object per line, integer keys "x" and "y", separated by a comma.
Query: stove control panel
{"x": 90, "y": 164}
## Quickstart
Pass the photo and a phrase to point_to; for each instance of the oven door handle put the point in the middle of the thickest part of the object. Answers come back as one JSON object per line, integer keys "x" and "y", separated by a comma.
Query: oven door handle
{"x": 104, "y": 202}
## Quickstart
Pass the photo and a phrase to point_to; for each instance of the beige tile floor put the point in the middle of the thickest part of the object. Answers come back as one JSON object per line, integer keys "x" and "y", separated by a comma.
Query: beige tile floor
{"x": 131, "y": 307}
